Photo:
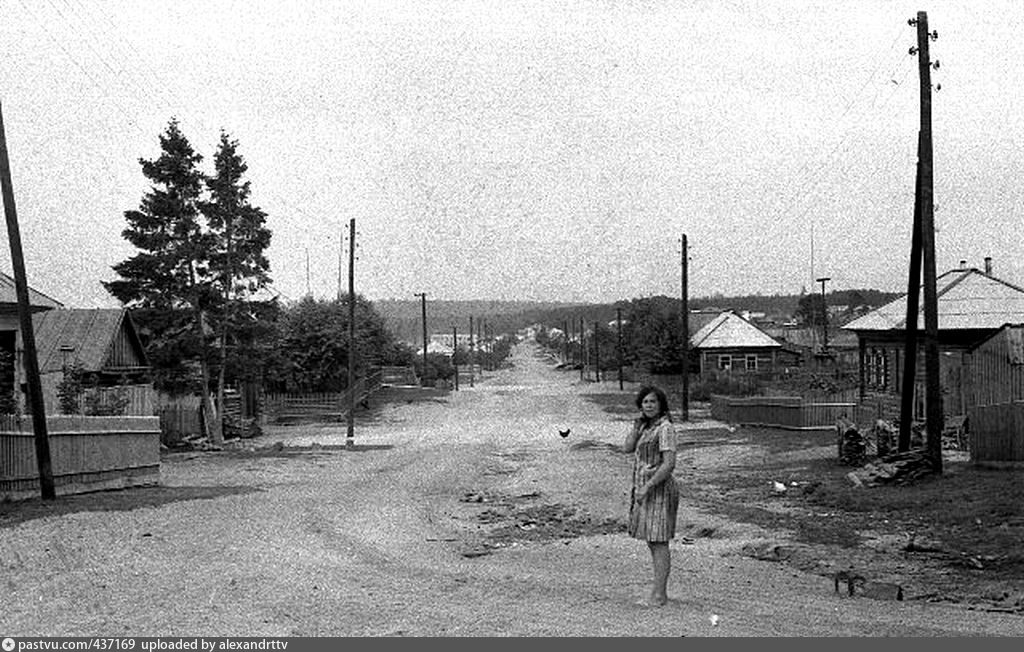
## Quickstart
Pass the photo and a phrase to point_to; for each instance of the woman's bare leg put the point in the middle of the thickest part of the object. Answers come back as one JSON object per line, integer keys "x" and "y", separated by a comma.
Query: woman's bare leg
{"x": 661, "y": 559}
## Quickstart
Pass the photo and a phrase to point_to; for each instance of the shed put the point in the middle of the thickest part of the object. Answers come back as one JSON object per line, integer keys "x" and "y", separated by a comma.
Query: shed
{"x": 996, "y": 412}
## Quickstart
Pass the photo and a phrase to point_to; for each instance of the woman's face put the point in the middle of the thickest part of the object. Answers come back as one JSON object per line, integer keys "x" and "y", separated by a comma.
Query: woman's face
{"x": 650, "y": 406}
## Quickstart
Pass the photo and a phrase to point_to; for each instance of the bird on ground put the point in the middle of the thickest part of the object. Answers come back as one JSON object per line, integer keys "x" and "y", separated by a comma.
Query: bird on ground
{"x": 565, "y": 433}
{"x": 778, "y": 487}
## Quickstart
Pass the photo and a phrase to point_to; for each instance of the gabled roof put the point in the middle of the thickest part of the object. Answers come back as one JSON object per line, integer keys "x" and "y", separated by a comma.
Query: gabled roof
{"x": 968, "y": 299}
{"x": 36, "y": 299}
{"x": 91, "y": 332}
{"x": 728, "y": 331}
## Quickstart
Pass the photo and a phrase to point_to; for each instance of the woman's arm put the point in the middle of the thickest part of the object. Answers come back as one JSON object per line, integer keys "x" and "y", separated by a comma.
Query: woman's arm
{"x": 667, "y": 441}
{"x": 632, "y": 437}
{"x": 664, "y": 470}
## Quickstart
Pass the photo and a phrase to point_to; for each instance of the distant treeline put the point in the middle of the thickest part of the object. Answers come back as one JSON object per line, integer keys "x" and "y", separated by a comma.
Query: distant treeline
{"x": 404, "y": 317}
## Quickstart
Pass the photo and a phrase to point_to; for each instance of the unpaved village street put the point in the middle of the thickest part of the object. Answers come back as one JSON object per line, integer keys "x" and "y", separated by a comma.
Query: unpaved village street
{"x": 462, "y": 515}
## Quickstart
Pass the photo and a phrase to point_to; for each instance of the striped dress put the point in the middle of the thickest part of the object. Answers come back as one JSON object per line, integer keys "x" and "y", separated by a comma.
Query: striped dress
{"x": 655, "y": 518}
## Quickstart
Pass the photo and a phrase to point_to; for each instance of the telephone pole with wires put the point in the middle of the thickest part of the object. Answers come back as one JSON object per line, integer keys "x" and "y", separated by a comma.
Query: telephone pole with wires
{"x": 933, "y": 387}
{"x": 684, "y": 310}
{"x": 31, "y": 359}
{"x": 423, "y": 306}
{"x": 350, "y": 436}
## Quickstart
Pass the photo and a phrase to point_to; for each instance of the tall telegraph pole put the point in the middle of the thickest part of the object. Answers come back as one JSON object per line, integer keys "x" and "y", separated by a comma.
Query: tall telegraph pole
{"x": 933, "y": 387}
{"x": 910, "y": 333}
{"x": 824, "y": 314}
{"x": 350, "y": 436}
{"x": 472, "y": 355}
{"x": 685, "y": 310}
{"x": 618, "y": 333}
{"x": 35, "y": 387}
{"x": 423, "y": 305}
{"x": 455, "y": 354}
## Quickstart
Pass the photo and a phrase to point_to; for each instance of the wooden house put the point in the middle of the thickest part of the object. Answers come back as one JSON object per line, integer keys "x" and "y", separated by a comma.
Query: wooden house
{"x": 972, "y": 307}
{"x": 103, "y": 341}
{"x": 995, "y": 413}
{"x": 12, "y": 375}
{"x": 105, "y": 345}
{"x": 729, "y": 343}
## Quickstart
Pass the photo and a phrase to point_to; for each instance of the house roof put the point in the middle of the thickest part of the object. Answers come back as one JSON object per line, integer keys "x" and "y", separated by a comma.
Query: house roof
{"x": 90, "y": 331}
{"x": 36, "y": 299}
{"x": 729, "y": 330}
{"x": 968, "y": 299}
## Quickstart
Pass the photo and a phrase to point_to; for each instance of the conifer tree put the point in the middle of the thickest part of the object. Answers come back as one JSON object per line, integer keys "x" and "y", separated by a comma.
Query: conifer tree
{"x": 169, "y": 280}
{"x": 238, "y": 264}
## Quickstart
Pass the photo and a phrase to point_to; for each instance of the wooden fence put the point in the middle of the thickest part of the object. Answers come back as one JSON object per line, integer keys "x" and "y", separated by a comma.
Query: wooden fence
{"x": 996, "y": 434}
{"x": 318, "y": 407}
{"x": 790, "y": 412}
{"x": 86, "y": 454}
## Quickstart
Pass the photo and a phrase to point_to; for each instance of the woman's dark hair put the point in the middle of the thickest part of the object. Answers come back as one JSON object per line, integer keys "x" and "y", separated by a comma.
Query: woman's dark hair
{"x": 662, "y": 400}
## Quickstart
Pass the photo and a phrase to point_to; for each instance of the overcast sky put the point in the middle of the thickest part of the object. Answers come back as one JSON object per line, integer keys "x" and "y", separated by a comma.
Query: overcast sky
{"x": 525, "y": 150}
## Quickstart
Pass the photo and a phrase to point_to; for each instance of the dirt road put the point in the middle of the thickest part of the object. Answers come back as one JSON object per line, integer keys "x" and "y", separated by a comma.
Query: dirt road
{"x": 467, "y": 515}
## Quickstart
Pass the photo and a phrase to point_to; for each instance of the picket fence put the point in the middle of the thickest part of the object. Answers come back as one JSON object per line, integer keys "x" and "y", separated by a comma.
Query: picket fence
{"x": 789, "y": 412}
{"x": 86, "y": 454}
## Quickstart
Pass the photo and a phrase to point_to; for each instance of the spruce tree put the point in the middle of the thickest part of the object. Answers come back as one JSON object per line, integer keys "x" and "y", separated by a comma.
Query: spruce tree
{"x": 238, "y": 263}
{"x": 169, "y": 280}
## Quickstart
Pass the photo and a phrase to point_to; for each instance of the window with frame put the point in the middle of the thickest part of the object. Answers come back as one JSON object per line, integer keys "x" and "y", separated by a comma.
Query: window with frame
{"x": 751, "y": 362}
{"x": 725, "y": 362}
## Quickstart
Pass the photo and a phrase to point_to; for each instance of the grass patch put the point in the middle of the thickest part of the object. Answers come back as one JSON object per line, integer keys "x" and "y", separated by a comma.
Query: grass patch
{"x": 972, "y": 511}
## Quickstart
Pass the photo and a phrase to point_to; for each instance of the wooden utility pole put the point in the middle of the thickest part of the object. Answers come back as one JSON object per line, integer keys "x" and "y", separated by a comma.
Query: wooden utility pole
{"x": 565, "y": 341}
{"x": 597, "y": 355}
{"x": 909, "y": 382}
{"x": 933, "y": 386}
{"x": 455, "y": 354}
{"x": 618, "y": 333}
{"x": 423, "y": 304}
{"x": 824, "y": 314}
{"x": 572, "y": 351}
{"x": 31, "y": 360}
{"x": 472, "y": 361}
{"x": 583, "y": 361}
{"x": 685, "y": 310}
{"x": 350, "y": 436}
{"x": 341, "y": 259}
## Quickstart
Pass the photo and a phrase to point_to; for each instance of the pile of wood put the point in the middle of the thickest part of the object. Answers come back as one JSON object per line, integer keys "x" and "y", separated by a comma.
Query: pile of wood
{"x": 894, "y": 469}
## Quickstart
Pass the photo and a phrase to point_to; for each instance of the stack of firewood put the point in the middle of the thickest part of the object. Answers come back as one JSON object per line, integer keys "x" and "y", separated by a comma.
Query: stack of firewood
{"x": 897, "y": 468}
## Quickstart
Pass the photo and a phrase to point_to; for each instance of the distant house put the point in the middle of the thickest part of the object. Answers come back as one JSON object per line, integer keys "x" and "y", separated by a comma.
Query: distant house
{"x": 809, "y": 343}
{"x": 102, "y": 341}
{"x": 730, "y": 343}
{"x": 972, "y": 307}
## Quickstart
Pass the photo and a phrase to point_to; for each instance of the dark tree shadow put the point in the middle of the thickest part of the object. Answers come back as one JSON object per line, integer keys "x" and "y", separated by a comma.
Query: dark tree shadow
{"x": 116, "y": 500}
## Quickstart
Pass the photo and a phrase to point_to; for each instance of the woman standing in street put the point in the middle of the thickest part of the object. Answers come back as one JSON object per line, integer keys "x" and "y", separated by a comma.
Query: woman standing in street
{"x": 655, "y": 497}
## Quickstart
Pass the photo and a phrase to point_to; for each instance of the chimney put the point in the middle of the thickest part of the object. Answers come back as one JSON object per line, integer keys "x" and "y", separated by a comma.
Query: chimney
{"x": 963, "y": 264}
{"x": 988, "y": 265}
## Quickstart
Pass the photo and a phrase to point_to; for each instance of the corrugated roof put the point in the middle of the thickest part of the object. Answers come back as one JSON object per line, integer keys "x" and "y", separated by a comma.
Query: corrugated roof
{"x": 36, "y": 299}
{"x": 729, "y": 330}
{"x": 90, "y": 332}
{"x": 967, "y": 299}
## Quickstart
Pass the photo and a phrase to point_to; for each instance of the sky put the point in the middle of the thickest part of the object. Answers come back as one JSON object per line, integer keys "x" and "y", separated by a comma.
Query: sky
{"x": 525, "y": 150}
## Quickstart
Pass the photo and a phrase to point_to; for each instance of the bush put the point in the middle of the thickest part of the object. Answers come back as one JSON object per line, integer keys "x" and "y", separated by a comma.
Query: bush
{"x": 725, "y": 385}
{"x": 105, "y": 403}
{"x": 70, "y": 388}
